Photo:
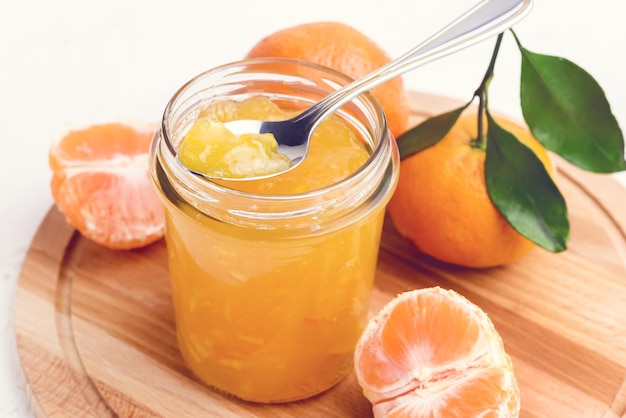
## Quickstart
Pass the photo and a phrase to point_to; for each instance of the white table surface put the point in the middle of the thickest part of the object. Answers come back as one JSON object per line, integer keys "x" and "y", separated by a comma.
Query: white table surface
{"x": 68, "y": 63}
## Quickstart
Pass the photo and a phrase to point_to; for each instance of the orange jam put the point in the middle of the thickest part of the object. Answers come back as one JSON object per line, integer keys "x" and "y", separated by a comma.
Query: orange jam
{"x": 334, "y": 146}
{"x": 210, "y": 148}
{"x": 265, "y": 318}
{"x": 271, "y": 278}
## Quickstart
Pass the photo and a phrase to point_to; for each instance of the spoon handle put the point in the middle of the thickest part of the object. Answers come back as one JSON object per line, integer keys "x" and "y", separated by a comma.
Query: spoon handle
{"x": 485, "y": 19}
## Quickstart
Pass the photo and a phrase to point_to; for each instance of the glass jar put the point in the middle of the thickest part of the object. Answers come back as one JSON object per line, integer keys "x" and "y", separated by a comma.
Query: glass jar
{"x": 271, "y": 292}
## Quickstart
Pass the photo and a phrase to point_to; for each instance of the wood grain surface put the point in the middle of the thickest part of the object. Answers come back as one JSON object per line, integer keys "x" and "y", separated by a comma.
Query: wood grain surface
{"x": 95, "y": 330}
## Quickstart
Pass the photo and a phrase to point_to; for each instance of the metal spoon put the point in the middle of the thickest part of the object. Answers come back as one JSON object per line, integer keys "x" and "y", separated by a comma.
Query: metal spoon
{"x": 485, "y": 19}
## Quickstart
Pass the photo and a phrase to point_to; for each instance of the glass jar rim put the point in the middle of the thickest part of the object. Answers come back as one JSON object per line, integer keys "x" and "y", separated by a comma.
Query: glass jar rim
{"x": 377, "y": 149}
{"x": 352, "y": 197}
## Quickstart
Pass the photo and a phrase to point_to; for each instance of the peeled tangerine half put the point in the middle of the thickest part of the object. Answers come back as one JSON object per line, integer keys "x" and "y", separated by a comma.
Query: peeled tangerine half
{"x": 101, "y": 182}
{"x": 432, "y": 353}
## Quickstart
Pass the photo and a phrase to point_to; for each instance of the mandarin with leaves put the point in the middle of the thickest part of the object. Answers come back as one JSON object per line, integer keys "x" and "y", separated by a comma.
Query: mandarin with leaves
{"x": 442, "y": 204}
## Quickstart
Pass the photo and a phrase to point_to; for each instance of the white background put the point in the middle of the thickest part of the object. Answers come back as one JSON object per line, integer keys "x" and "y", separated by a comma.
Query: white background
{"x": 66, "y": 64}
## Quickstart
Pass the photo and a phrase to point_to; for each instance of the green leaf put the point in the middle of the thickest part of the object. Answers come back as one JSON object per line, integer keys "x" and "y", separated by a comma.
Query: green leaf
{"x": 567, "y": 111}
{"x": 523, "y": 191}
{"x": 428, "y": 133}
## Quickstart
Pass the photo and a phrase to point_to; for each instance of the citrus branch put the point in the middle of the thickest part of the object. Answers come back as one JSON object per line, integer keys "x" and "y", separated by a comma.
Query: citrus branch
{"x": 482, "y": 92}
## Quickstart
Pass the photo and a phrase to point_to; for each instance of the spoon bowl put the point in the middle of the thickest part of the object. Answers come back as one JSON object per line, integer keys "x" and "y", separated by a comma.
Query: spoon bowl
{"x": 485, "y": 19}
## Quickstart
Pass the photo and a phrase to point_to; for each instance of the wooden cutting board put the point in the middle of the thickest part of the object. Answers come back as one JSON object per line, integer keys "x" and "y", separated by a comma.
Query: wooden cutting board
{"x": 95, "y": 330}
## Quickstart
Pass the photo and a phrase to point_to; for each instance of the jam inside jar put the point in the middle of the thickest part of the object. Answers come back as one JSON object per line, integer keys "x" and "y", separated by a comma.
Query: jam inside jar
{"x": 271, "y": 281}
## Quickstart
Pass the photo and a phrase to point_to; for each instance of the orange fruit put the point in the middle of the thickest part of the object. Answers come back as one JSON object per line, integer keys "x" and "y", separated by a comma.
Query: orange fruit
{"x": 101, "y": 182}
{"x": 344, "y": 49}
{"x": 432, "y": 353}
{"x": 442, "y": 205}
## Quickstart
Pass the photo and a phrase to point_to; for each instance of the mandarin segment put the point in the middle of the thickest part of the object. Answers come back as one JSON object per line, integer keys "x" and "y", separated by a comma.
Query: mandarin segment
{"x": 431, "y": 352}
{"x": 472, "y": 396}
{"x": 452, "y": 327}
{"x": 103, "y": 142}
{"x": 100, "y": 181}
{"x": 344, "y": 49}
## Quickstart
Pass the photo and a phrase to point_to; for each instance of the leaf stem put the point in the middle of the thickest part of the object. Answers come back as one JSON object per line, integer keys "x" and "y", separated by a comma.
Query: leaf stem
{"x": 517, "y": 41}
{"x": 481, "y": 92}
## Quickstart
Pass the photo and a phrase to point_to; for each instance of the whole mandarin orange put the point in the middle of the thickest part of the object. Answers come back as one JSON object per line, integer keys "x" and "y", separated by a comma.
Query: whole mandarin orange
{"x": 344, "y": 49}
{"x": 442, "y": 205}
